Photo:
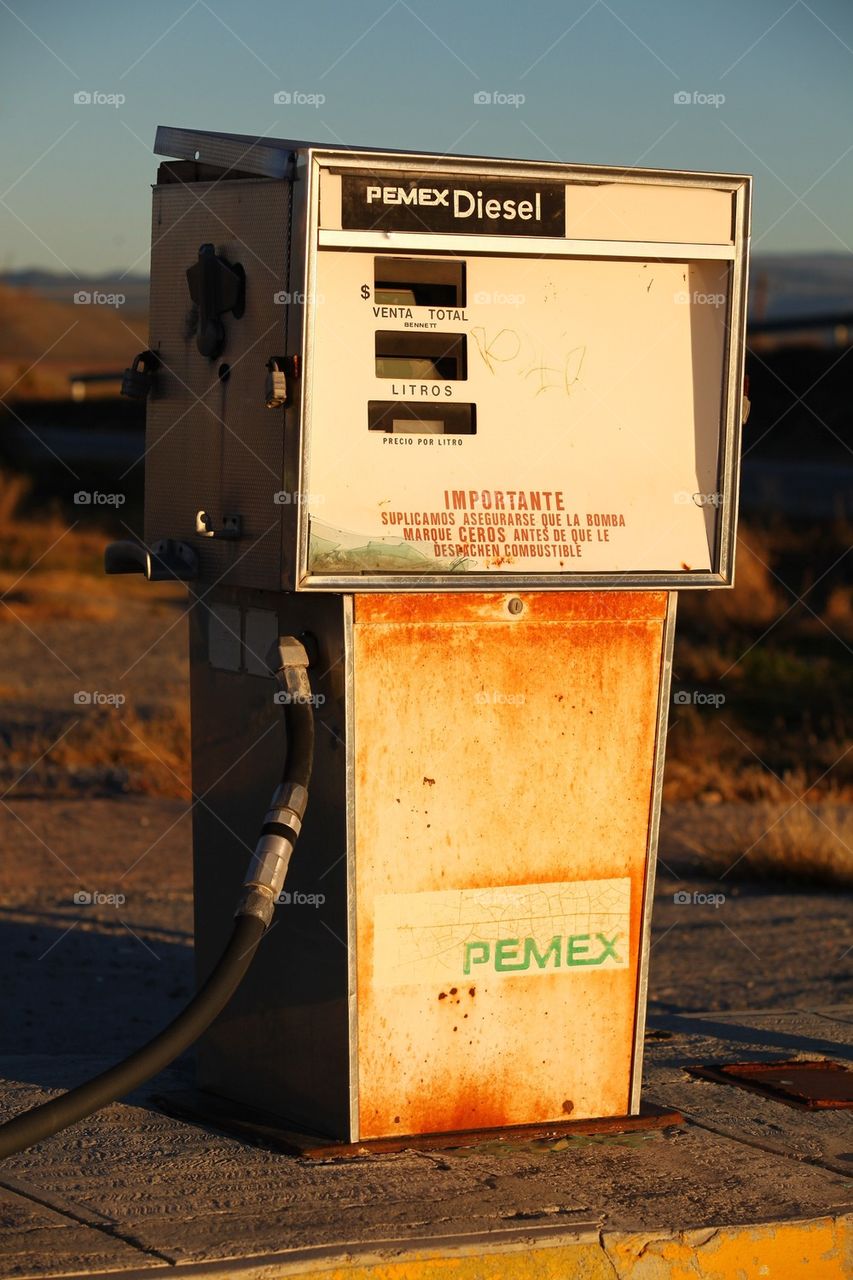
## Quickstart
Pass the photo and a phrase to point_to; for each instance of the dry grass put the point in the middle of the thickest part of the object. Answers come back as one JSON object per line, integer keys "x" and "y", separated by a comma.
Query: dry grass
{"x": 62, "y": 561}
{"x": 32, "y": 606}
{"x": 706, "y": 762}
{"x": 77, "y": 337}
{"x": 756, "y": 599}
{"x": 784, "y": 840}
{"x": 13, "y": 490}
{"x": 782, "y": 666}
{"x": 111, "y": 749}
{"x": 51, "y": 572}
{"x": 42, "y": 541}
{"x": 838, "y": 612}
{"x": 151, "y": 748}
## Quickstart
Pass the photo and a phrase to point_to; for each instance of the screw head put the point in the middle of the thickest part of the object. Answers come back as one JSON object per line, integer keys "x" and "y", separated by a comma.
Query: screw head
{"x": 515, "y": 605}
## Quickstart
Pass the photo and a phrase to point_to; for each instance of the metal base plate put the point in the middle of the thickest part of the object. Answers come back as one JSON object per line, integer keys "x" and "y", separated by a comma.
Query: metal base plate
{"x": 813, "y": 1085}
{"x": 259, "y": 1127}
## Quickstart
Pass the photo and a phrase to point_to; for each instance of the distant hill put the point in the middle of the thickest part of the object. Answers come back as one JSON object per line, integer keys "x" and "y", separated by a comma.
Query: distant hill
{"x": 45, "y": 336}
{"x": 59, "y": 287}
{"x": 789, "y": 285}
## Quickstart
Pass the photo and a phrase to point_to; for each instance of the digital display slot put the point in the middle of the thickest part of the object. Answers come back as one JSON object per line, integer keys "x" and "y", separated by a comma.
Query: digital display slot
{"x": 421, "y": 355}
{"x": 418, "y": 282}
{"x": 408, "y": 417}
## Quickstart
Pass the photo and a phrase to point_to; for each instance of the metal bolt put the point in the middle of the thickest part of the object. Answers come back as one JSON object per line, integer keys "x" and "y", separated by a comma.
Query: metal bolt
{"x": 515, "y": 605}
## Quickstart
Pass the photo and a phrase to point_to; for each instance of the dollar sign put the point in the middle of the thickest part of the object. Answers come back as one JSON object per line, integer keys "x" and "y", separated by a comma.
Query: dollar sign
{"x": 365, "y": 291}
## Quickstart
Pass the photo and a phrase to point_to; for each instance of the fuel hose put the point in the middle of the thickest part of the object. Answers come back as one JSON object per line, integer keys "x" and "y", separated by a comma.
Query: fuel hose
{"x": 262, "y": 886}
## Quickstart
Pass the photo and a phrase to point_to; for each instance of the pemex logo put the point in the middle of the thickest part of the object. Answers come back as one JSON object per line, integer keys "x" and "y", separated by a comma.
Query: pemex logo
{"x": 571, "y": 929}
{"x": 522, "y": 955}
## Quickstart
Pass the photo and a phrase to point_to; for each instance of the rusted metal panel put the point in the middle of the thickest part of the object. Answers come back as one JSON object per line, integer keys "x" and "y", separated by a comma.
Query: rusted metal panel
{"x": 503, "y": 765}
{"x": 817, "y": 1085}
{"x": 493, "y": 606}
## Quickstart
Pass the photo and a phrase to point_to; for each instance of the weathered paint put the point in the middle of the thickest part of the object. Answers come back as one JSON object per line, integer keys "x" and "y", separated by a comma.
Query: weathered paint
{"x": 500, "y": 749}
{"x": 819, "y": 1249}
{"x": 493, "y": 606}
{"x": 813, "y": 1249}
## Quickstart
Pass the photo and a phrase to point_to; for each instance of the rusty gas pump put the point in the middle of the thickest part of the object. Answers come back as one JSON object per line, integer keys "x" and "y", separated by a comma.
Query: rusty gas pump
{"x": 464, "y": 427}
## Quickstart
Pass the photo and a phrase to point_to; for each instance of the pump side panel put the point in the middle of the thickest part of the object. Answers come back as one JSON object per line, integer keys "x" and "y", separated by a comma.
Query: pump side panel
{"x": 281, "y": 1045}
{"x": 212, "y": 444}
{"x": 503, "y": 787}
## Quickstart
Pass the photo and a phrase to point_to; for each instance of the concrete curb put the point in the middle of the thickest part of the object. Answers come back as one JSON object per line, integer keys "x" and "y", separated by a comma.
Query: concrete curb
{"x": 808, "y": 1249}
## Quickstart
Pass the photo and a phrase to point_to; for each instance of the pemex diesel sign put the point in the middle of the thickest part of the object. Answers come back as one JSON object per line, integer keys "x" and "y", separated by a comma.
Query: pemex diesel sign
{"x": 432, "y": 202}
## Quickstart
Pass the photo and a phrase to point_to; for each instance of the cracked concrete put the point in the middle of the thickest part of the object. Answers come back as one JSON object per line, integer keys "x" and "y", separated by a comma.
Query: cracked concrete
{"x": 743, "y": 1182}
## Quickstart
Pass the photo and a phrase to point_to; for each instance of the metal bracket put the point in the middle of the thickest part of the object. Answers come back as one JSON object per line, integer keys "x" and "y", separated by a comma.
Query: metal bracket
{"x": 232, "y": 527}
{"x": 166, "y": 560}
{"x": 216, "y": 286}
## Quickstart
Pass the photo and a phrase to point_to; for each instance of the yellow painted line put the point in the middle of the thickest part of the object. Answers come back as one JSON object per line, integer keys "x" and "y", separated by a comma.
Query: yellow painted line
{"x": 813, "y": 1249}
{"x": 821, "y": 1249}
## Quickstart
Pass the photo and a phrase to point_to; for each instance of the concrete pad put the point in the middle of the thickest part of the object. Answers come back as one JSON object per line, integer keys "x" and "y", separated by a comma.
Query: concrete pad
{"x": 752, "y": 1036}
{"x": 746, "y": 1186}
{"x": 32, "y": 1232}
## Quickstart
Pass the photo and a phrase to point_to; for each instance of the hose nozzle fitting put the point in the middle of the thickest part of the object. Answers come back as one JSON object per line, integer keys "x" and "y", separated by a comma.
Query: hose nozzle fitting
{"x": 269, "y": 863}
{"x": 290, "y": 665}
{"x": 283, "y": 821}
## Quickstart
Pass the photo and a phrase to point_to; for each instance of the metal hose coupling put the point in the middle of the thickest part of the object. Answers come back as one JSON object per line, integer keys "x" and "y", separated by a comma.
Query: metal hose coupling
{"x": 268, "y": 866}
{"x": 283, "y": 820}
{"x": 290, "y": 664}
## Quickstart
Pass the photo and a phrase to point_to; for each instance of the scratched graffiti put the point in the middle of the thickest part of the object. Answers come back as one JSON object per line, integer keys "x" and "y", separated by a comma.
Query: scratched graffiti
{"x": 454, "y": 935}
{"x": 545, "y": 368}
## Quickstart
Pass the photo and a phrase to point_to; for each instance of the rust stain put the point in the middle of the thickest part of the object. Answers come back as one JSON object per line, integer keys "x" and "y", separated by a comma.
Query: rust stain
{"x": 587, "y": 718}
{"x": 540, "y": 606}
{"x": 429, "y": 782}
{"x": 568, "y": 1107}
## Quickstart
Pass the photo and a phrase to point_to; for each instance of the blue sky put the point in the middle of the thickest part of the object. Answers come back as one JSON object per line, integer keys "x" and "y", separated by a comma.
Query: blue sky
{"x": 770, "y": 84}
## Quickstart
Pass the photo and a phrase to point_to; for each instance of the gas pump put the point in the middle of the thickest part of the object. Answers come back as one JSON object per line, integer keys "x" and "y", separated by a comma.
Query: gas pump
{"x": 457, "y": 431}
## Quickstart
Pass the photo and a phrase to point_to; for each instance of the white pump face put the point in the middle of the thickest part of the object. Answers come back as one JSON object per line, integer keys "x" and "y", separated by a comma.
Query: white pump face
{"x": 520, "y": 374}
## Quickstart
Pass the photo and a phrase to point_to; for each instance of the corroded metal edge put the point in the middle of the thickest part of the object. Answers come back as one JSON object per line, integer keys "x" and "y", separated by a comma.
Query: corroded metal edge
{"x": 196, "y": 1106}
{"x": 668, "y": 641}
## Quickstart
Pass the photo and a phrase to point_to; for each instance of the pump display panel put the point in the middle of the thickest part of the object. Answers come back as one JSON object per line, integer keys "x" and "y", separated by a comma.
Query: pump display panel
{"x": 522, "y": 378}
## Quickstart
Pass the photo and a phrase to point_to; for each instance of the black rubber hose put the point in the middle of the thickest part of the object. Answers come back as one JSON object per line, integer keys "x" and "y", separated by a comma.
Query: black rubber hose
{"x": 300, "y": 742}
{"x": 47, "y": 1119}
{"x": 43, "y": 1121}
